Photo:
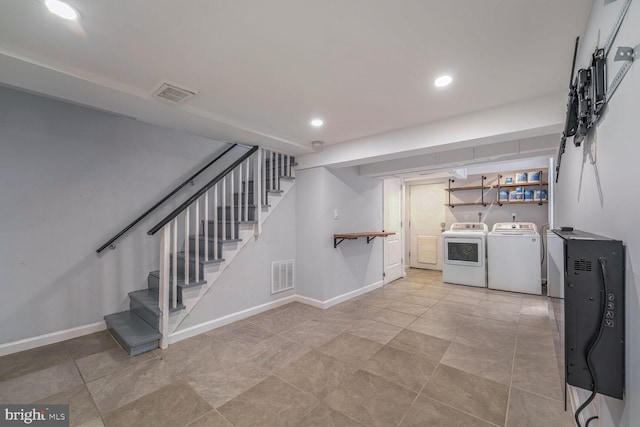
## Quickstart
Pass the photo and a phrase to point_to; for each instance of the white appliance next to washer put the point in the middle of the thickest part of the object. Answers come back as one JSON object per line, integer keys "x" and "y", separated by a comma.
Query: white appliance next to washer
{"x": 465, "y": 254}
{"x": 513, "y": 252}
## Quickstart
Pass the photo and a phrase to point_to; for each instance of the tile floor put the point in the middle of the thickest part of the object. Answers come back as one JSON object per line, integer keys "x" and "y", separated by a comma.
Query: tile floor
{"x": 414, "y": 352}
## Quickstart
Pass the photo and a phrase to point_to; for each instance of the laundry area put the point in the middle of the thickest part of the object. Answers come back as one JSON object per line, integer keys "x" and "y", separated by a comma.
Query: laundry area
{"x": 482, "y": 230}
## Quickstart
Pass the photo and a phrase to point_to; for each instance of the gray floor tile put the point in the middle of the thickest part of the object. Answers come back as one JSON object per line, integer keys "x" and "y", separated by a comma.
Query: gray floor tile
{"x": 203, "y": 354}
{"x": 418, "y": 300}
{"x": 277, "y": 352}
{"x": 497, "y": 313}
{"x": 358, "y": 308}
{"x": 374, "y": 331}
{"x": 488, "y": 333}
{"x": 323, "y": 416}
{"x": 409, "y": 370}
{"x": 535, "y": 342}
{"x": 470, "y": 393}
{"x": 175, "y": 404}
{"x": 538, "y": 375}
{"x": 471, "y": 332}
{"x": 432, "y": 347}
{"x": 316, "y": 373}
{"x": 28, "y": 361}
{"x": 272, "y": 402}
{"x": 211, "y": 419}
{"x": 403, "y": 306}
{"x": 116, "y": 390}
{"x": 454, "y": 318}
{"x": 82, "y": 410}
{"x": 108, "y": 362}
{"x": 485, "y": 362}
{"x": 40, "y": 384}
{"x": 391, "y": 317}
{"x": 314, "y": 332}
{"x": 219, "y": 386}
{"x": 278, "y": 321}
{"x": 303, "y": 310}
{"x": 90, "y": 344}
{"x": 371, "y": 400}
{"x": 530, "y": 410}
{"x": 350, "y": 348}
{"x": 442, "y": 329}
{"x": 463, "y": 299}
{"x": 243, "y": 331}
{"x": 455, "y": 307}
{"x": 428, "y": 412}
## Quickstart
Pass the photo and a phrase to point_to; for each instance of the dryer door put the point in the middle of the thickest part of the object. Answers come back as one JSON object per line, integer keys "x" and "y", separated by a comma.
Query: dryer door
{"x": 464, "y": 251}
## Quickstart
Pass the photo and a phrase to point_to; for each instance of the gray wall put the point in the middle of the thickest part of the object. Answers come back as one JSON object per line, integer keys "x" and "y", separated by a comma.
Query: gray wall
{"x": 324, "y": 272}
{"x": 70, "y": 178}
{"x": 599, "y": 194}
{"x": 246, "y": 283}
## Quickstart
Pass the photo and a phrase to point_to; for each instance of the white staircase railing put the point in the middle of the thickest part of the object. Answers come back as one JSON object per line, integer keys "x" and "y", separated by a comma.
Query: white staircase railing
{"x": 211, "y": 218}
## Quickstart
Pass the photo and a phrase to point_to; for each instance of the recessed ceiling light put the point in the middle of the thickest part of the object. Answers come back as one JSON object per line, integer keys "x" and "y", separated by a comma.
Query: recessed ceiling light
{"x": 443, "y": 81}
{"x": 317, "y": 123}
{"x": 62, "y": 9}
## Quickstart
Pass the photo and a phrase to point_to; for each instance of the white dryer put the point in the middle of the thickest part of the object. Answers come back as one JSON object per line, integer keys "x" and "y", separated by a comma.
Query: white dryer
{"x": 465, "y": 254}
{"x": 513, "y": 251}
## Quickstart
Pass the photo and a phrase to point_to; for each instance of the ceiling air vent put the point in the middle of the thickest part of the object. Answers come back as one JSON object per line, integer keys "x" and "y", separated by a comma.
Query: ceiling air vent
{"x": 172, "y": 93}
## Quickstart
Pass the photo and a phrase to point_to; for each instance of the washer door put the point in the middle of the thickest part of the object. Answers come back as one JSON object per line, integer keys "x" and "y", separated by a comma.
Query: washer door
{"x": 467, "y": 251}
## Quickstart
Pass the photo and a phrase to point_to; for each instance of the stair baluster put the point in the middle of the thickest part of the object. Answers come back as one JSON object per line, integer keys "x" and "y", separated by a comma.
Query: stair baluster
{"x": 243, "y": 186}
{"x": 196, "y": 252}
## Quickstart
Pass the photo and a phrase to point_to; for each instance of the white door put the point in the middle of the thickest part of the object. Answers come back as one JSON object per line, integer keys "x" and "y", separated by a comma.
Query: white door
{"x": 426, "y": 219}
{"x": 393, "y": 262}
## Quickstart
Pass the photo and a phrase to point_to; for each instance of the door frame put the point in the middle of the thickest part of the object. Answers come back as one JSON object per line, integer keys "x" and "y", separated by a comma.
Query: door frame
{"x": 385, "y": 278}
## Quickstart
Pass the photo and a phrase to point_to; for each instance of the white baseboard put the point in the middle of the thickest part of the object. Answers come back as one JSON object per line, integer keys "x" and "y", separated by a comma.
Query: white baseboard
{"x": 340, "y": 298}
{"x": 51, "y": 338}
{"x": 310, "y": 301}
{"x": 192, "y": 331}
{"x": 54, "y": 337}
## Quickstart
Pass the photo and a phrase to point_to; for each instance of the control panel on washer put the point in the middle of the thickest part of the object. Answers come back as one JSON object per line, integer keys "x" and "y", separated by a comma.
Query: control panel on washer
{"x": 469, "y": 226}
{"x": 520, "y": 227}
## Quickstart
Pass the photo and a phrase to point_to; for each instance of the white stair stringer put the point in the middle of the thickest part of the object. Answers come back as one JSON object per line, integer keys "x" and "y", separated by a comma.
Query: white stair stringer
{"x": 191, "y": 296}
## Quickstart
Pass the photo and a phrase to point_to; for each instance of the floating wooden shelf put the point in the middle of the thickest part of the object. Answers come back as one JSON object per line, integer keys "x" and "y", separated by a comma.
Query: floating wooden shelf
{"x": 489, "y": 187}
{"x": 471, "y": 187}
{"x": 500, "y": 203}
{"x": 370, "y": 235}
{"x": 453, "y": 205}
{"x": 530, "y": 184}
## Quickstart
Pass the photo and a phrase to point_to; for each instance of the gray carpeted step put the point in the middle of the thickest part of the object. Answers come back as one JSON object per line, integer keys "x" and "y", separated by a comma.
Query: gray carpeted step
{"x": 134, "y": 334}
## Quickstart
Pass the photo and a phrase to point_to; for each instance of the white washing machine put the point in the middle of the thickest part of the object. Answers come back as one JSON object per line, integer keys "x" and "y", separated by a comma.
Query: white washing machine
{"x": 513, "y": 252}
{"x": 465, "y": 259}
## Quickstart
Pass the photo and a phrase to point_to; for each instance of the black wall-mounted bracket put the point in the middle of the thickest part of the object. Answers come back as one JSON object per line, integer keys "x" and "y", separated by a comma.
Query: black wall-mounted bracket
{"x": 337, "y": 241}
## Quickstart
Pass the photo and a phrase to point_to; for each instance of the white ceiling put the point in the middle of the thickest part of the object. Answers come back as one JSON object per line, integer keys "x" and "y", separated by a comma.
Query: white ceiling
{"x": 264, "y": 69}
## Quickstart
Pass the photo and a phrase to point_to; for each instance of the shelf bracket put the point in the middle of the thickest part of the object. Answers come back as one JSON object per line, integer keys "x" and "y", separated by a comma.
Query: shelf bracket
{"x": 482, "y": 190}
{"x": 337, "y": 241}
{"x": 370, "y": 238}
{"x": 450, "y": 181}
